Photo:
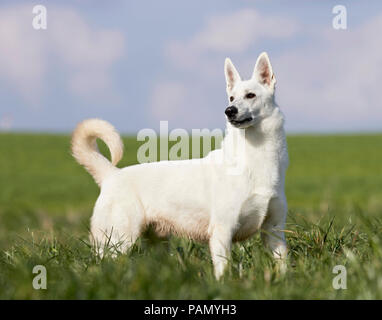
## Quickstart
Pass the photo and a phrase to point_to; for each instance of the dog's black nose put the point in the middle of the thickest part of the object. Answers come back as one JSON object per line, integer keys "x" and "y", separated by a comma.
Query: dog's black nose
{"x": 231, "y": 111}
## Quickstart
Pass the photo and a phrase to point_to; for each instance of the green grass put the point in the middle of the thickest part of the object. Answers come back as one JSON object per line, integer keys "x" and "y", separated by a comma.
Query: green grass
{"x": 334, "y": 190}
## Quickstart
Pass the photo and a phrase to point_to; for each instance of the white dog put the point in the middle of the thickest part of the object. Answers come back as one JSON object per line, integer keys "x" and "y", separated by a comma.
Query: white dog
{"x": 199, "y": 198}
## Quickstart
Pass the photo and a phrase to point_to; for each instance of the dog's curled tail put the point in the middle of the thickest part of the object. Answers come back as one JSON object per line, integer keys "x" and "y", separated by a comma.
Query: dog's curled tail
{"x": 85, "y": 149}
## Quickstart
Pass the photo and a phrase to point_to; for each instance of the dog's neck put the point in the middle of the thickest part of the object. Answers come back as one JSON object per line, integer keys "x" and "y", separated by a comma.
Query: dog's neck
{"x": 261, "y": 149}
{"x": 268, "y": 133}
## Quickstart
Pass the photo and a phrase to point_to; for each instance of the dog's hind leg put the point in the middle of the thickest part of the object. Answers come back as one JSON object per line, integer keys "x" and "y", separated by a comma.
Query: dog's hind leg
{"x": 115, "y": 226}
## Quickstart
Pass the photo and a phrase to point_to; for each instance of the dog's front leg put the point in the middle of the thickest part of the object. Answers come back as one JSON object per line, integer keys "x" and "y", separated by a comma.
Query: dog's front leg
{"x": 220, "y": 247}
{"x": 273, "y": 230}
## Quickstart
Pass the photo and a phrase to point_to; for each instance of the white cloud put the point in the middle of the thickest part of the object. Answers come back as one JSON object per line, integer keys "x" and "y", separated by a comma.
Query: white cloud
{"x": 229, "y": 33}
{"x": 329, "y": 81}
{"x": 191, "y": 103}
{"x": 182, "y": 104}
{"x": 22, "y": 62}
{"x": 333, "y": 83}
{"x": 167, "y": 101}
{"x": 81, "y": 53}
{"x": 237, "y": 31}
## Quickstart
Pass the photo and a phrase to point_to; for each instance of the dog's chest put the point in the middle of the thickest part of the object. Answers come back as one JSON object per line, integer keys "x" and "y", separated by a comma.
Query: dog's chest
{"x": 264, "y": 182}
{"x": 265, "y": 171}
{"x": 252, "y": 214}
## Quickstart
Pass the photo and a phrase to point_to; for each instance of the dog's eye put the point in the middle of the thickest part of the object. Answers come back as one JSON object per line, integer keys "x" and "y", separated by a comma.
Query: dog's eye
{"x": 250, "y": 95}
{"x": 231, "y": 98}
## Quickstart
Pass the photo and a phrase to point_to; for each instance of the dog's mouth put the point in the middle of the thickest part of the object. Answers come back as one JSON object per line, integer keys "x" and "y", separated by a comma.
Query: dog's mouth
{"x": 240, "y": 122}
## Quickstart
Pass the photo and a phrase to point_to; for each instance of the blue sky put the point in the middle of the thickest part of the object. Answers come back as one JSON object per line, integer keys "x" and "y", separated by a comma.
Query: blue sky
{"x": 135, "y": 63}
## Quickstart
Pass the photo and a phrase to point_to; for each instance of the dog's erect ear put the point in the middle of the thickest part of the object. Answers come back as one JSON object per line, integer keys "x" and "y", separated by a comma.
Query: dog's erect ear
{"x": 231, "y": 74}
{"x": 263, "y": 71}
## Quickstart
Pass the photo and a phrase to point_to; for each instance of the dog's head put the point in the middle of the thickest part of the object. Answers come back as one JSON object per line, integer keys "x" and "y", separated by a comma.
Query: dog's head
{"x": 250, "y": 101}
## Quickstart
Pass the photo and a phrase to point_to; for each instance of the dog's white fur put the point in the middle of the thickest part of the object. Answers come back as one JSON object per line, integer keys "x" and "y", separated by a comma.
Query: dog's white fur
{"x": 198, "y": 198}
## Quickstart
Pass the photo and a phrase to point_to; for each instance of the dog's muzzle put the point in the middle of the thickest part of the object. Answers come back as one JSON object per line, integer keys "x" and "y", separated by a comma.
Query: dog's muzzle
{"x": 232, "y": 112}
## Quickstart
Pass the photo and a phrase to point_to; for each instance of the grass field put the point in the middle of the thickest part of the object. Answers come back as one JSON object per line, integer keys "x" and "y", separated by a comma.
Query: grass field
{"x": 334, "y": 190}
